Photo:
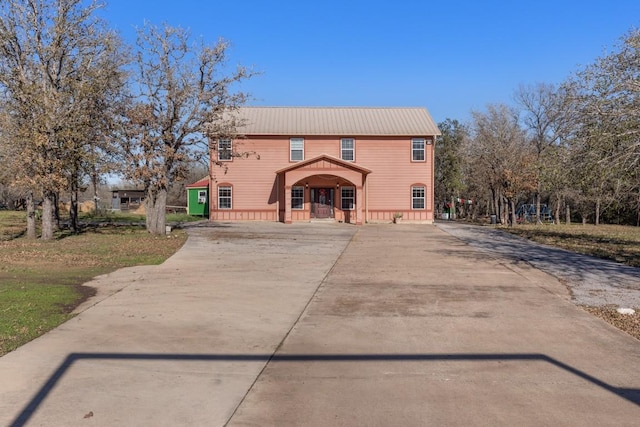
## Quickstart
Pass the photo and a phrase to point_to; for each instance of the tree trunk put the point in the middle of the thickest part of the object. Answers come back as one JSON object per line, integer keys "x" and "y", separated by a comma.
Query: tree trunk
{"x": 31, "y": 216}
{"x": 73, "y": 209}
{"x": 538, "y": 220}
{"x": 504, "y": 210}
{"x": 597, "y": 219}
{"x": 512, "y": 213}
{"x": 156, "y": 204}
{"x": 495, "y": 203}
{"x": 638, "y": 211}
{"x": 56, "y": 211}
{"x": 94, "y": 182}
{"x": 567, "y": 215}
{"x": 453, "y": 208}
{"x": 556, "y": 213}
{"x": 47, "y": 215}
{"x": 638, "y": 219}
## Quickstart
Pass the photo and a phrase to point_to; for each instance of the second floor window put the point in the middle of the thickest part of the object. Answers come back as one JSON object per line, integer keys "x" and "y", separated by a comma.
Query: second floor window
{"x": 296, "y": 151}
{"x": 224, "y": 150}
{"x": 417, "y": 149}
{"x": 347, "y": 149}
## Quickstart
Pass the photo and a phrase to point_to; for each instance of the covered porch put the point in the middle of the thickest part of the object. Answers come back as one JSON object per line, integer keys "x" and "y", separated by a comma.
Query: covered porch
{"x": 322, "y": 188}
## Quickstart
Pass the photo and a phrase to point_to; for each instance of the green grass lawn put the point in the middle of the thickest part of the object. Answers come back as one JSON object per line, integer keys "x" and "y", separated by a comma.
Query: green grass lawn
{"x": 615, "y": 242}
{"x": 41, "y": 282}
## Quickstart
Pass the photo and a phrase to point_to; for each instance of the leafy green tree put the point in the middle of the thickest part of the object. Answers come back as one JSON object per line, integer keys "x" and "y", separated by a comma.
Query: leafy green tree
{"x": 448, "y": 160}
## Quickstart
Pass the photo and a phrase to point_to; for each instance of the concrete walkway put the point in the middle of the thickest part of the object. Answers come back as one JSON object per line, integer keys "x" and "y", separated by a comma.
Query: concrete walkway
{"x": 322, "y": 324}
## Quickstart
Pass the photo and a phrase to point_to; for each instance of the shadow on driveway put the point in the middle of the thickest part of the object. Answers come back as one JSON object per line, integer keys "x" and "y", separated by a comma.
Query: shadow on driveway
{"x": 632, "y": 395}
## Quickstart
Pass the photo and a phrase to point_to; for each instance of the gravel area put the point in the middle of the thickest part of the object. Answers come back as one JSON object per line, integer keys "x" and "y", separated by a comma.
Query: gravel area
{"x": 600, "y": 286}
{"x": 630, "y": 323}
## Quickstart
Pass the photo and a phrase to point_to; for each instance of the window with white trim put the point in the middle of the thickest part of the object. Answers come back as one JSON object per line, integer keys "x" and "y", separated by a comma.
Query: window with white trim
{"x": 297, "y": 198}
{"x": 348, "y": 149}
{"x": 296, "y": 149}
{"x": 417, "y": 197}
{"x": 224, "y": 150}
{"x": 224, "y": 197}
{"x": 347, "y": 198}
{"x": 202, "y": 196}
{"x": 417, "y": 149}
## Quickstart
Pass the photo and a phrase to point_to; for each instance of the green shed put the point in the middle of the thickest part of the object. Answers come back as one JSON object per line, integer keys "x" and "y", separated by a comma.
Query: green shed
{"x": 198, "y": 198}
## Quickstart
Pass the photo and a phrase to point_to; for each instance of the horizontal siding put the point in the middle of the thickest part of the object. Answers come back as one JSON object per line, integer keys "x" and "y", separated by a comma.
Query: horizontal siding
{"x": 254, "y": 178}
{"x": 389, "y": 183}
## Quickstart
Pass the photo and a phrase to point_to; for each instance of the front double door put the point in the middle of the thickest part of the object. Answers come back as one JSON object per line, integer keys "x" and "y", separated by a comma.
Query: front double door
{"x": 322, "y": 202}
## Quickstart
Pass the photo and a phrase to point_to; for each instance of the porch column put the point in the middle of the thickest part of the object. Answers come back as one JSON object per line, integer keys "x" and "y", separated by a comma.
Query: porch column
{"x": 360, "y": 202}
{"x": 287, "y": 204}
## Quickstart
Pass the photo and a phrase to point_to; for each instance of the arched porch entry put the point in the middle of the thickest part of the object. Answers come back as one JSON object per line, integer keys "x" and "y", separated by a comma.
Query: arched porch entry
{"x": 323, "y": 187}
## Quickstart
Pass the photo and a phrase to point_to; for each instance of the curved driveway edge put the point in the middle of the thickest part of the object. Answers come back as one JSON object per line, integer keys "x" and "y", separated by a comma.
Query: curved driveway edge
{"x": 174, "y": 344}
{"x": 593, "y": 281}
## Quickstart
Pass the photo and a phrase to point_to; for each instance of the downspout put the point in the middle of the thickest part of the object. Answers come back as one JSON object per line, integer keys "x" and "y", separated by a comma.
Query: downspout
{"x": 366, "y": 200}
{"x": 277, "y": 197}
{"x": 432, "y": 197}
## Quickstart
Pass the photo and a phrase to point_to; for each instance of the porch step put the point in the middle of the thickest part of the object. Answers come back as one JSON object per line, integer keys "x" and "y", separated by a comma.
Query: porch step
{"x": 322, "y": 220}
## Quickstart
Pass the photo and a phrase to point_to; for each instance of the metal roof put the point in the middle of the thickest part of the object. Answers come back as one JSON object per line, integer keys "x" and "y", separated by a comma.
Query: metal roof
{"x": 338, "y": 121}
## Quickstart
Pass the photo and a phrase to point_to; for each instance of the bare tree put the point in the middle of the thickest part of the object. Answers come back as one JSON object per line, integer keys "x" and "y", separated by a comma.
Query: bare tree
{"x": 502, "y": 155}
{"x": 604, "y": 100}
{"x": 182, "y": 100}
{"x": 545, "y": 120}
{"x": 51, "y": 54}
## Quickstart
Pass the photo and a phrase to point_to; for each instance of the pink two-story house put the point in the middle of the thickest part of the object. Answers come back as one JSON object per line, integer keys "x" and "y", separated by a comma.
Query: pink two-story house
{"x": 351, "y": 165}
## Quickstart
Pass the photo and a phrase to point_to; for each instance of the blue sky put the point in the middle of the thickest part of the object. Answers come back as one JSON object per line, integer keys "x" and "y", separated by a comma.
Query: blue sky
{"x": 448, "y": 56}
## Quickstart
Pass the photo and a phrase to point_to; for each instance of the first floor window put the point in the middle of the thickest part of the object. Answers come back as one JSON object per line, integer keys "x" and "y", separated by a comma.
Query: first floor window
{"x": 347, "y": 149}
{"x": 297, "y": 197}
{"x": 417, "y": 149}
{"x": 417, "y": 197}
{"x": 224, "y": 197}
{"x": 224, "y": 150}
{"x": 202, "y": 196}
{"x": 347, "y": 198}
{"x": 296, "y": 152}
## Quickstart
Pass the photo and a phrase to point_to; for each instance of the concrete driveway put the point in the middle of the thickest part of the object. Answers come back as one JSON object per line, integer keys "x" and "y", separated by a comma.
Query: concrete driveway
{"x": 592, "y": 281}
{"x": 326, "y": 324}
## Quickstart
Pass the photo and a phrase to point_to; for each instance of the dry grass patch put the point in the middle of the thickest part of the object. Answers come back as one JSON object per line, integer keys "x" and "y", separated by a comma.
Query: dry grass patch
{"x": 12, "y": 224}
{"x": 615, "y": 242}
